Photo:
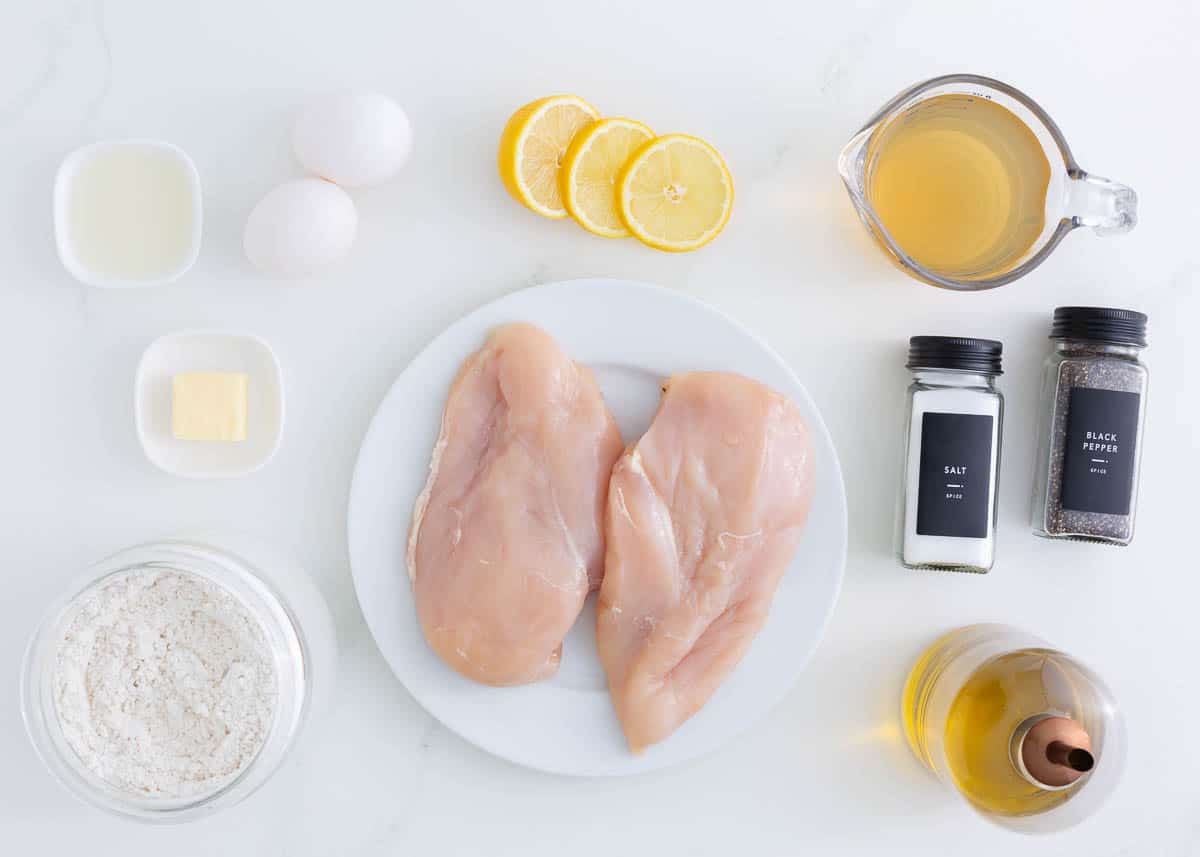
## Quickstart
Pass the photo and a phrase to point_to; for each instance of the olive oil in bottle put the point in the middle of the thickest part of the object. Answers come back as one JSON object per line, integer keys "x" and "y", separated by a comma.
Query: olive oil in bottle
{"x": 1027, "y": 735}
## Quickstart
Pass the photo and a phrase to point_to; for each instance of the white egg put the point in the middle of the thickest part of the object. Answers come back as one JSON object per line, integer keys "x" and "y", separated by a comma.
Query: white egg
{"x": 300, "y": 226}
{"x": 352, "y": 138}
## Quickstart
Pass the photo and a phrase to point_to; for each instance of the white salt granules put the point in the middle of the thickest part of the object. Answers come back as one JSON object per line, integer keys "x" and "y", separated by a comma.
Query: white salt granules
{"x": 164, "y": 684}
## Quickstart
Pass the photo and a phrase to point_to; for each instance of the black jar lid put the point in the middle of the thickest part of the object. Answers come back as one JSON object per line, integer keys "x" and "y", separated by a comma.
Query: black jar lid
{"x": 1100, "y": 324}
{"x": 955, "y": 353}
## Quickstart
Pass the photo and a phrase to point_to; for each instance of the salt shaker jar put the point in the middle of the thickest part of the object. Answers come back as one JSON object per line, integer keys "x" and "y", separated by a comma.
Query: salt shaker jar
{"x": 947, "y": 514}
{"x": 1093, "y": 405}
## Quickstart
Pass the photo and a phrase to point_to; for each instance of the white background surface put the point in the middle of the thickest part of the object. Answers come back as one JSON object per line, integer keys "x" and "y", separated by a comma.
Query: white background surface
{"x": 777, "y": 87}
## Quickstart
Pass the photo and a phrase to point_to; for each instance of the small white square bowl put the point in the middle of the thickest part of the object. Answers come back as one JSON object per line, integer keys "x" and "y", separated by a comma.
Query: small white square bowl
{"x": 63, "y": 179}
{"x": 208, "y": 351}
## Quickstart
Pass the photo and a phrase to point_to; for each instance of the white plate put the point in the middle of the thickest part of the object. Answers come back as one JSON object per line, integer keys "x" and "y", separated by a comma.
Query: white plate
{"x": 633, "y": 336}
{"x": 208, "y": 351}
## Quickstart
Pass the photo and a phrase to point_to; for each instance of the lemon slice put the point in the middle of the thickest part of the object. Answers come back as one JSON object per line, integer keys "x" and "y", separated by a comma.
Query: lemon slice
{"x": 589, "y": 173}
{"x": 532, "y": 148}
{"x": 675, "y": 193}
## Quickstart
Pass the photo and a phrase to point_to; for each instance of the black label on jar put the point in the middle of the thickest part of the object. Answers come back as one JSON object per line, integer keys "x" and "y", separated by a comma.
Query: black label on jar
{"x": 1100, "y": 445}
{"x": 955, "y": 475}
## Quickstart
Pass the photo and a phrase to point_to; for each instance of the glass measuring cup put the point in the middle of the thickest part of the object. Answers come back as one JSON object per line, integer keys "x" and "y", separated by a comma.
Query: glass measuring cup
{"x": 1073, "y": 197}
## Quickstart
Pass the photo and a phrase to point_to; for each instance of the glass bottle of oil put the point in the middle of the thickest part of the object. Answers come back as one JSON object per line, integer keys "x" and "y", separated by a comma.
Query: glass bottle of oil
{"x": 1030, "y": 737}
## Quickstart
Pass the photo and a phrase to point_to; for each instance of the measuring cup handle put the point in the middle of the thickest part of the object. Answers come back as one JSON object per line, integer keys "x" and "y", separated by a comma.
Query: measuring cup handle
{"x": 1108, "y": 207}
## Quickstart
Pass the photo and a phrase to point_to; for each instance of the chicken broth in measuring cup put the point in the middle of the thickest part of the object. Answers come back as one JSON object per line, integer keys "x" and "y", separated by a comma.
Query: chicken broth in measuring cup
{"x": 967, "y": 184}
{"x": 960, "y": 184}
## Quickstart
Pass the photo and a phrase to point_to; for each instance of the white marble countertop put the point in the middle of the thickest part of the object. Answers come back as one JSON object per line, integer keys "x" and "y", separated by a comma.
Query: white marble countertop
{"x": 777, "y": 87}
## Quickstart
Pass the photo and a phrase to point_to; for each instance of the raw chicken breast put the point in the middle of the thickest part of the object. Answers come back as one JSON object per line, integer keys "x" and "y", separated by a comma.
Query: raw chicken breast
{"x": 507, "y": 538}
{"x": 705, "y": 513}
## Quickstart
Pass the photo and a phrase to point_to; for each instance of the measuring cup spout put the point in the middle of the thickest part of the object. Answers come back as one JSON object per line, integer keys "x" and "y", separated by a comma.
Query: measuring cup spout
{"x": 1108, "y": 207}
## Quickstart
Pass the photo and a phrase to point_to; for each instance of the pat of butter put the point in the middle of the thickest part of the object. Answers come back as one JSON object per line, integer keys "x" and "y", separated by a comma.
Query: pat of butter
{"x": 209, "y": 406}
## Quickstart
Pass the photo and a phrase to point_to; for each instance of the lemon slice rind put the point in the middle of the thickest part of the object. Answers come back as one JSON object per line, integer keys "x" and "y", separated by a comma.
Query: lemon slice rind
{"x": 610, "y": 226}
{"x": 634, "y": 169}
{"x": 514, "y": 140}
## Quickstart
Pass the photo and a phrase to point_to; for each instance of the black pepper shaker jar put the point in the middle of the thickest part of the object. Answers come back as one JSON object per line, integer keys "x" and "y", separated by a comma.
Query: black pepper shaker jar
{"x": 1092, "y": 409}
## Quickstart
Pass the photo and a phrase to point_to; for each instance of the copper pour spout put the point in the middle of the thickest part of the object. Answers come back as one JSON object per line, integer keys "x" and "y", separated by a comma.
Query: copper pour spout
{"x": 1056, "y": 752}
{"x": 1075, "y": 758}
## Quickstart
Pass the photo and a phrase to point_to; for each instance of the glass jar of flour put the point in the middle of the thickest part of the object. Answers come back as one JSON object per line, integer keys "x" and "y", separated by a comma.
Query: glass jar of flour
{"x": 177, "y": 676}
{"x": 947, "y": 516}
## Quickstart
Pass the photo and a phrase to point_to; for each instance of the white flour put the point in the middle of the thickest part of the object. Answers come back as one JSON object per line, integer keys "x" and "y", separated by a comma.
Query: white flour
{"x": 165, "y": 685}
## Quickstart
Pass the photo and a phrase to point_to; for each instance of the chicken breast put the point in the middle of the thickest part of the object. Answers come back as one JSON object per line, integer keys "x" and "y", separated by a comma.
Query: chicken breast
{"x": 507, "y": 538}
{"x": 705, "y": 513}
